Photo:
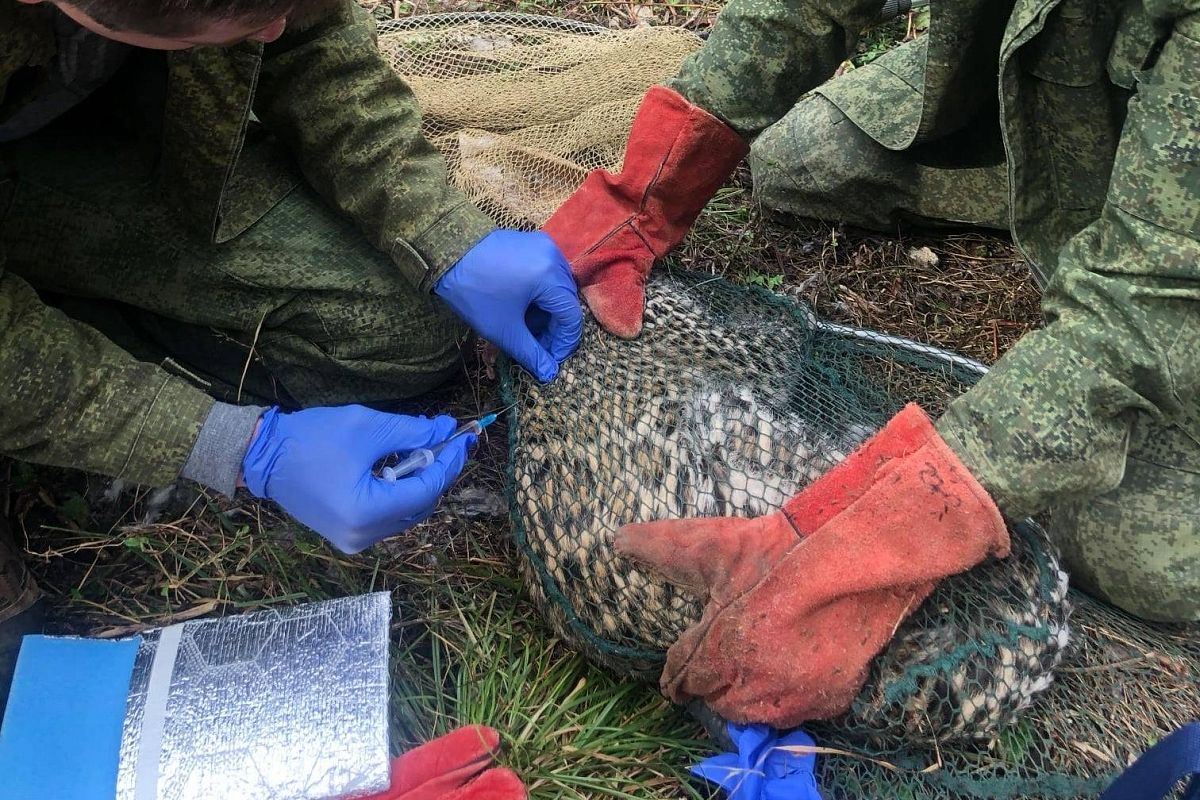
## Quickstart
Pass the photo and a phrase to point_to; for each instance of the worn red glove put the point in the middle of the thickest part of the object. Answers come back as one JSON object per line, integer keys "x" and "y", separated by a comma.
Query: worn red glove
{"x": 614, "y": 226}
{"x": 800, "y": 601}
{"x": 453, "y": 767}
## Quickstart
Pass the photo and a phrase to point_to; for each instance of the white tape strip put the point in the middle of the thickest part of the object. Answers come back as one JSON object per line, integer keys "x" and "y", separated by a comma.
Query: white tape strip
{"x": 154, "y": 715}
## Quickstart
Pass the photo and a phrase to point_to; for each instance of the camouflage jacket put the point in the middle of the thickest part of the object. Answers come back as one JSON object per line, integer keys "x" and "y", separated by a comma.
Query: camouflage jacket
{"x": 1099, "y": 110}
{"x": 71, "y": 397}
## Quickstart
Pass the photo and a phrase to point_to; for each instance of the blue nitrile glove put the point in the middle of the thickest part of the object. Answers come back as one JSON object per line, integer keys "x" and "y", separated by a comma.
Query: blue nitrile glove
{"x": 317, "y": 464}
{"x": 516, "y": 290}
{"x": 763, "y": 768}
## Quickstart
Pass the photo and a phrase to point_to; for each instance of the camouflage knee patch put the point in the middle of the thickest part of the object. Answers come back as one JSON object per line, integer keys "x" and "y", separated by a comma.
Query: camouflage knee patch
{"x": 1138, "y": 547}
{"x": 816, "y": 163}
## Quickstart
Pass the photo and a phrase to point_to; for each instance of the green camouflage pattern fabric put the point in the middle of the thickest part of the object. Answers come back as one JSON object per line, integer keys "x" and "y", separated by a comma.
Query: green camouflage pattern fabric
{"x": 326, "y": 314}
{"x": 763, "y": 55}
{"x": 26, "y": 41}
{"x": 242, "y": 130}
{"x": 815, "y": 162}
{"x": 73, "y": 398}
{"x": 1138, "y": 546}
{"x": 1089, "y": 154}
{"x": 333, "y": 104}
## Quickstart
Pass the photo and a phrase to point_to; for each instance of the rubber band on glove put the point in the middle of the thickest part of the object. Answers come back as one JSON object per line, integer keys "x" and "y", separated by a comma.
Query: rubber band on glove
{"x": 318, "y": 465}
{"x": 456, "y": 766}
{"x": 764, "y": 766}
{"x": 516, "y": 291}
{"x": 800, "y": 601}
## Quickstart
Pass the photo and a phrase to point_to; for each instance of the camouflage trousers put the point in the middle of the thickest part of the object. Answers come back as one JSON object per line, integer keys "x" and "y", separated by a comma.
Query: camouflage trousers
{"x": 299, "y": 309}
{"x": 1137, "y": 546}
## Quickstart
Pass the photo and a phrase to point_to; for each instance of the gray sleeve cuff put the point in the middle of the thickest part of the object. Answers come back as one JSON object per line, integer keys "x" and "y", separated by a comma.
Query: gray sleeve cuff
{"x": 216, "y": 459}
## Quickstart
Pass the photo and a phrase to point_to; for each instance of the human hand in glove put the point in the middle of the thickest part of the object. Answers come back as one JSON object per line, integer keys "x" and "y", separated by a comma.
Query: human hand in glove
{"x": 456, "y": 766}
{"x": 317, "y": 464}
{"x": 515, "y": 290}
{"x": 614, "y": 226}
{"x": 800, "y": 601}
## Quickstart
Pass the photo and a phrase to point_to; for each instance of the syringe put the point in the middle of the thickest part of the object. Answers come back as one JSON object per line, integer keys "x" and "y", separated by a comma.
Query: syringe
{"x": 419, "y": 459}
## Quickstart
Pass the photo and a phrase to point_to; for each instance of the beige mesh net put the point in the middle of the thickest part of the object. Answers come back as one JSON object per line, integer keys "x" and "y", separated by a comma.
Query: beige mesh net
{"x": 524, "y": 107}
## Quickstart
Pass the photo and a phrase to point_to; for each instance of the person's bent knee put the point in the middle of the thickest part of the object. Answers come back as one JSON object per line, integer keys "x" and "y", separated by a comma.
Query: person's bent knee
{"x": 815, "y": 163}
{"x": 1170, "y": 600}
{"x": 781, "y": 178}
{"x": 1145, "y": 591}
{"x": 1138, "y": 547}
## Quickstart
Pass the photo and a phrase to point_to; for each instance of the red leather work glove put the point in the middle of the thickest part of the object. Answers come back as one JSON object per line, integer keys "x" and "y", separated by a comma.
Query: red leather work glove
{"x": 800, "y": 601}
{"x": 453, "y": 767}
{"x": 614, "y": 226}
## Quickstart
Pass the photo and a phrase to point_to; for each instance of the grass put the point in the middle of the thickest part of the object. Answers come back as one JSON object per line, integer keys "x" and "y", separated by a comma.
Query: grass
{"x": 468, "y": 646}
{"x": 570, "y": 730}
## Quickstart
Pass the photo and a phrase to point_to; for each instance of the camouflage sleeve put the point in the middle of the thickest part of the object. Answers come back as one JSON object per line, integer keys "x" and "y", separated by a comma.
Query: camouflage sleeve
{"x": 354, "y": 126}
{"x": 72, "y": 398}
{"x": 764, "y": 54}
{"x": 1052, "y": 420}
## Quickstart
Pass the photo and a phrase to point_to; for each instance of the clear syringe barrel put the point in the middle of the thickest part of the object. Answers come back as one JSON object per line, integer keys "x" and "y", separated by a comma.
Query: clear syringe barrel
{"x": 419, "y": 459}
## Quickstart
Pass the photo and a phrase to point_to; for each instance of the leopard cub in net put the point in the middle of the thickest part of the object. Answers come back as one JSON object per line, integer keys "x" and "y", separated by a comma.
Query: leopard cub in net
{"x": 722, "y": 408}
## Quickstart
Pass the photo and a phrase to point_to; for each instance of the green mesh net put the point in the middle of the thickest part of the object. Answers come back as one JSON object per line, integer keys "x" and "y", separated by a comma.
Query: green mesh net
{"x": 1001, "y": 685}
{"x": 1120, "y": 687}
{"x": 732, "y": 400}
